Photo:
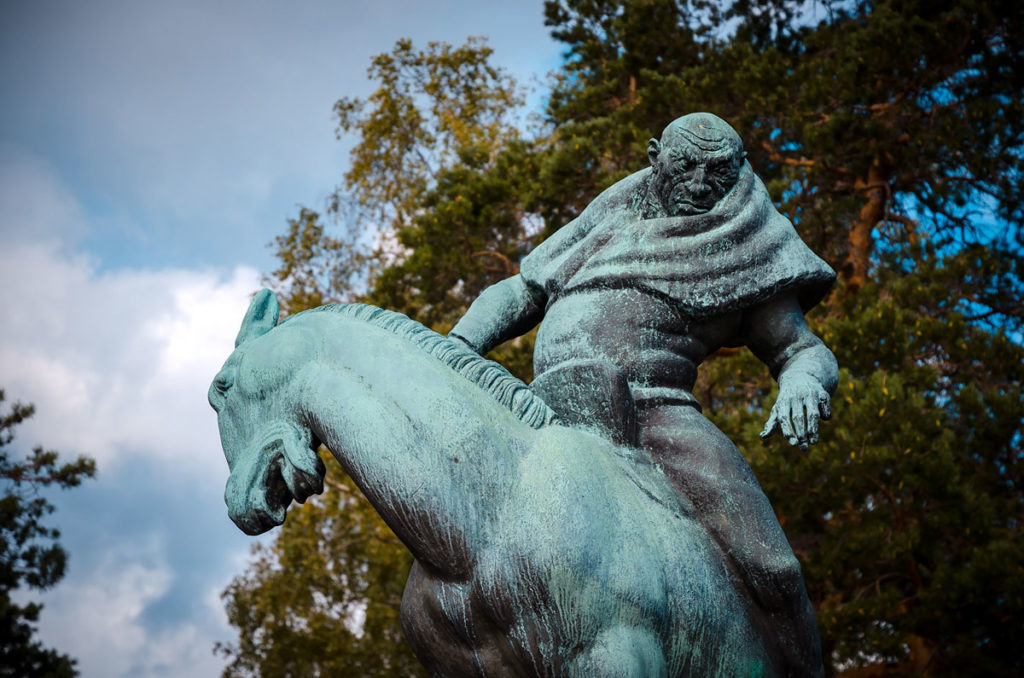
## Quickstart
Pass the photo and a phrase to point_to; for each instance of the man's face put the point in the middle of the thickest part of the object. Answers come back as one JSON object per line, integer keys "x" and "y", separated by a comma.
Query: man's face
{"x": 690, "y": 181}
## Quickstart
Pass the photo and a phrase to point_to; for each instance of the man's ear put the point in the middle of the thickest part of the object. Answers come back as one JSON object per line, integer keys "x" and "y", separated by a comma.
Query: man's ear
{"x": 653, "y": 149}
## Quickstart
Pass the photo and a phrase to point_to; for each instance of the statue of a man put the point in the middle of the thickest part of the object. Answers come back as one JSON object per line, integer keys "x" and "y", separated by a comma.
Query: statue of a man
{"x": 656, "y": 274}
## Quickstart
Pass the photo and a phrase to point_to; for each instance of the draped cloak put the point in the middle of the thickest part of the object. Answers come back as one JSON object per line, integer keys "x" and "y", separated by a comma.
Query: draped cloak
{"x": 738, "y": 254}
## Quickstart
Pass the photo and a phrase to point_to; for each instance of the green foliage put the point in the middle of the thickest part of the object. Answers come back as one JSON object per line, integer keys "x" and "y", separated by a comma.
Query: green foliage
{"x": 436, "y": 112}
{"x": 468, "y": 236}
{"x": 29, "y": 553}
{"x": 315, "y": 268}
{"x": 323, "y": 598}
{"x": 430, "y": 104}
{"x": 601, "y": 107}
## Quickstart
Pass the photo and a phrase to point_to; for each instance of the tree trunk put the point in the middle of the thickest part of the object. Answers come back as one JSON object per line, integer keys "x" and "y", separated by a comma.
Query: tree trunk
{"x": 876, "y": 188}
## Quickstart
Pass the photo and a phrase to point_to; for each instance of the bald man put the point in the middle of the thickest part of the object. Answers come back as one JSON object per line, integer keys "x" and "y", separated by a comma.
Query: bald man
{"x": 656, "y": 274}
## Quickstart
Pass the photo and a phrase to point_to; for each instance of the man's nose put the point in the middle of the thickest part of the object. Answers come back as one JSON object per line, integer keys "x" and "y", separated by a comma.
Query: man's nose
{"x": 697, "y": 185}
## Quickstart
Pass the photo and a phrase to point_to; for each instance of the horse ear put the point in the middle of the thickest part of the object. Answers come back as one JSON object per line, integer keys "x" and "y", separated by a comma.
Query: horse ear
{"x": 260, "y": 318}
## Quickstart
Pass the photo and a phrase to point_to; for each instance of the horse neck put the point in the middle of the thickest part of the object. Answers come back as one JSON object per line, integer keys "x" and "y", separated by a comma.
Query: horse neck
{"x": 434, "y": 454}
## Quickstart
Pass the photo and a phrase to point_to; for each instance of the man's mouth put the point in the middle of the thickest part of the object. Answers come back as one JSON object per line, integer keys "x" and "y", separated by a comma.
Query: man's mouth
{"x": 684, "y": 206}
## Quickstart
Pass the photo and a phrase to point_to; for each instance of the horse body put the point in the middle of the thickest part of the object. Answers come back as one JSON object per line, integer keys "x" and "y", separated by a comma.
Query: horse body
{"x": 573, "y": 580}
{"x": 541, "y": 550}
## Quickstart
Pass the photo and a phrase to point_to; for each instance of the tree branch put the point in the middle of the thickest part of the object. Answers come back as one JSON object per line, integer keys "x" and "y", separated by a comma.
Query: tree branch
{"x": 775, "y": 156}
{"x": 509, "y": 267}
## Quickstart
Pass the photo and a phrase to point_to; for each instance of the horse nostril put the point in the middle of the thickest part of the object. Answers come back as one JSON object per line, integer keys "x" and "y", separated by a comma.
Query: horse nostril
{"x": 278, "y": 494}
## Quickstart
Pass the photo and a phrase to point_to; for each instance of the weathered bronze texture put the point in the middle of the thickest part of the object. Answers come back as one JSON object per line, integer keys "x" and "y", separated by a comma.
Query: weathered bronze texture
{"x": 595, "y": 523}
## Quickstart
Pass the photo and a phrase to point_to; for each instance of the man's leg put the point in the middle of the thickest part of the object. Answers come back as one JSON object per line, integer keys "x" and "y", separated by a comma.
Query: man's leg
{"x": 708, "y": 469}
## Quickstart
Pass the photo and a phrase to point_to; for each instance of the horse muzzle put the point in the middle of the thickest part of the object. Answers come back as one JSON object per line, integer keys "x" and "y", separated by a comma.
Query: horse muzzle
{"x": 262, "y": 485}
{"x": 256, "y": 494}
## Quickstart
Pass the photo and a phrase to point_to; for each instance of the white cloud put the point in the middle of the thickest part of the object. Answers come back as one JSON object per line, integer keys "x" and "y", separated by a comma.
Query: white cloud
{"x": 108, "y": 608}
{"x": 101, "y": 620}
{"x": 116, "y": 362}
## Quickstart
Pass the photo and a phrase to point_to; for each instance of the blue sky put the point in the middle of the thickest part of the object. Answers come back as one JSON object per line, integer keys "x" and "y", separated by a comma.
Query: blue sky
{"x": 148, "y": 153}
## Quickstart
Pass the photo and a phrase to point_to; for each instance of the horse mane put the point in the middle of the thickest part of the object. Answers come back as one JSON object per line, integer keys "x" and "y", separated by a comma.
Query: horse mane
{"x": 511, "y": 392}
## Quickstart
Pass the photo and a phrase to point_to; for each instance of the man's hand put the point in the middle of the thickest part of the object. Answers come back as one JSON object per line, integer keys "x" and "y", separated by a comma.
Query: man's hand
{"x": 801, "y": 404}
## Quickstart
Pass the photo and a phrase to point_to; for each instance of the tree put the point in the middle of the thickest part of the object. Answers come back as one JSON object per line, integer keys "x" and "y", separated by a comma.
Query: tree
{"x": 29, "y": 552}
{"x": 315, "y": 267}
{"x": 434, "y": 109}
{"x": 906, "y": 515}
{"x": 473, "y": 230}
{"x": 431, "y": 211}
{"x": 891, "y": 132}
{"x": 431, "y": 105}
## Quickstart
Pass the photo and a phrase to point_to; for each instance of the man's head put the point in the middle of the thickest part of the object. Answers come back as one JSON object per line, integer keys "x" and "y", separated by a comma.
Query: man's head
{"x": 696, "y": 163}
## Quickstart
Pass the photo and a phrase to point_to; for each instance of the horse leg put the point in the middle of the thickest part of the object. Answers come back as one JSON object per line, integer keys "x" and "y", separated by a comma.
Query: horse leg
{"x": 432, "y": 636}
{"x": 622, "y": 651}
{"x": 450, "y": 633}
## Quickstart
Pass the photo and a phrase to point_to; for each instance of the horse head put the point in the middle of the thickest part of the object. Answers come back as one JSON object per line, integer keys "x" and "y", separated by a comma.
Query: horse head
{"x": 268, "y": 445}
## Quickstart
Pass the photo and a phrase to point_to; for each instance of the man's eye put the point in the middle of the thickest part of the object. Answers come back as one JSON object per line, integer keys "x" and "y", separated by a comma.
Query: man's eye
{"x": 722, "y": 173}
{"x": 681, "y": 165}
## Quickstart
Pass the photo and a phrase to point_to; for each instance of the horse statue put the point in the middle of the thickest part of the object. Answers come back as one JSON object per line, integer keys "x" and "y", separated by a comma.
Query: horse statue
{"x": 541, "y": 549}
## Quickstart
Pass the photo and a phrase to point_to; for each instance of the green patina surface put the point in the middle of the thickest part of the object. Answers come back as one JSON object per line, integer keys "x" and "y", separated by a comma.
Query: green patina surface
{"x": 595, "y": 524}
{"x": 542, "y": 549}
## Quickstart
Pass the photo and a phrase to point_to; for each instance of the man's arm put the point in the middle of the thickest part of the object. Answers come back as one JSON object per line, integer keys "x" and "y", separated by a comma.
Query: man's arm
{"x": 504, "y": 310}
{"x": 804, "y": 367}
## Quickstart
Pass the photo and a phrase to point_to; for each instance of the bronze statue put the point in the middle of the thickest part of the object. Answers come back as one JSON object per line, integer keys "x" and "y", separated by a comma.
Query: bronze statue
{"x": 658, "y": 272}
{"x": 594, "y": 523}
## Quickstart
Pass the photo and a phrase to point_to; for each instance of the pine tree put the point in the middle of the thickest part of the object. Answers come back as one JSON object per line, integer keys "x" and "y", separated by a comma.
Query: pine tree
{"x": 30, "y": 556}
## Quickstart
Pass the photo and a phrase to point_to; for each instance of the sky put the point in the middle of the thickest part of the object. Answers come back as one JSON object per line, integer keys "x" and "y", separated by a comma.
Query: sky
{"x": 149, "y": 151}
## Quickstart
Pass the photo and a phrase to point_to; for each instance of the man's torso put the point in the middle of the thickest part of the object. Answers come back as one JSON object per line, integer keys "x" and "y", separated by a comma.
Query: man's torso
{"x": 653, "y": 342}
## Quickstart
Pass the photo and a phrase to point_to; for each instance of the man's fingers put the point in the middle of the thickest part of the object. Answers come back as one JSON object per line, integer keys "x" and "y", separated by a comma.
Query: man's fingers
{"x": 798, "y": 419}
{"x": 825, "y": 406}
{"x": 799, "y": 422}
{"x": 770, "y": 426}
{"x": 786, "y": 423}
{"x": 811, "y": 408}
